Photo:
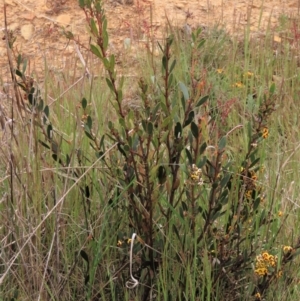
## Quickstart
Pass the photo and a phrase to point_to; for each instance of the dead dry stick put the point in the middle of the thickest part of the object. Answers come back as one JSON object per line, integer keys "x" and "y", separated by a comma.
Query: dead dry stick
{"x": 63, "y": 93}
{"x": 82, "y": 59}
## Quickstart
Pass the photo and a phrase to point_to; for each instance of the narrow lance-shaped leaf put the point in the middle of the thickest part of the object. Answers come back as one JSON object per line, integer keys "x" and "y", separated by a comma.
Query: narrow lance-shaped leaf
{"x": 94, "y": 28}
{"x": 189, "y": 119}
{"x": 164, "y": 62}
{"x": 184, "y": 91}
{"x": 121, "y": 150}
{"x": 105, "y": 40}
{"x": 84, "y": 103}
{"x": 172, "y": 66}
{"x": 272, "y": 89}
{"x": 170, "y": 80}
{"x": 96, "y": 50}
{"x": 178, "y": 130}
{"x": 189, "y": 156}
{"x": 202, "y": 101}
{"x": 49, "y": 131}
{"x": 201, "y": 43}
{"x": 24, "y": 65}
{"x": 110, "y": 85}
{"x": 112, "y": 62}
{"x": 222, "y": 143}
{"x": 183, "y": 103}
{"x": 89, "y": 122}
{"x": 160, "y": 47}
{"x": 202, "y": 148}
{"x": 195, "y": 130}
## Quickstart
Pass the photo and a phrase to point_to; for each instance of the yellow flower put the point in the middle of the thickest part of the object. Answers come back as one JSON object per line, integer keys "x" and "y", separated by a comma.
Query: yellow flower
{"x": 279, "y": 274}
{"x": 266, "y": 256}
{"x": 220, "y": 71}
{"x": 248, "y": 194}
{"x": 119, "y": 243}
{"x": 253, "y": 175}
{"x": 280, "y": 213}
{"x": 195, "y": 175}
{"x": 287, "y": 249}
{"x": 129, "y": 240}
{"x": 265, "y": 132}
{"x": 257, "y": 296}
{"x": 248, "y": 74}
{"x": 238, "y": 85}
{"x": 261, "y": 271}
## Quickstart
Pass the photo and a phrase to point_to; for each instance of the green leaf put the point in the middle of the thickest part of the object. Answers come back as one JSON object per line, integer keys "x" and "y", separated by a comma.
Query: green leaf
{"x": 154, "y": 111}
{"x": 84, "y": 255}
{"x": 40, "y": 106}
{"x": 120, "y": 95}
{"x": 254, "y": 163}
{"x": 106, "y": 63}
{"x": 19, "y": 60}
{"x": 164, "y": 108}
{"x": 201, "y": 43}
{"x": 89, "y": 122}
{"x": 19, "y": 73}
{"x": 225, "y": 180}
{"x": 202, "y": 101}
{"x": 121, "y": 150}
{"x": 126, "y": 148}
{"x": 202, "y": 148}
{"x": 101, "y": 144}
{"x": 49, "y": 131}
{"x": 24, "y": 65}
{"x": 199, "y": 30}
{"x": 110, "y": 85}
{"x": 96, "y": 50}
{"x": 81, "y": 3}
{"x": 202, "y": 162}
{"x": 147, "y": 126}
{"x": 99, "y": 155}
{"x": 94, "y": 28}
{"x": 194, "y": 129}
{"x": 272, "y": 89}
{"x": 170, "y": 40}
{"x": 184, "y": 91}
{"x": 104, "y": 28}
{"x": 189, "y": 156}
{"x": 161, "y": 174}
{"x": 150, "y": 128}
{"x": 183, "y": 103}
{"x": 193, "y": 37}
{"x": 172, "y": 66}
{"x": 222, "y": 143}
{"x": 170, "y": 80}
{"x": 122, "y": 122}
{"x": 83, "y": 103}
{"x": 164, "y": 62}
{"x": 166, "y": 122}
{"x": 31, "y": 99}
{"x": 189, "y": 119}
{"x": 112, "y": 62}
{"x": 44, "y": 144}
{"x": 105, "y": 40}
{"x": 178, "y": 130}
{"x": 88, "y": 134}
{"x": 256, "y": 203}
{"x": 176, "y": 232}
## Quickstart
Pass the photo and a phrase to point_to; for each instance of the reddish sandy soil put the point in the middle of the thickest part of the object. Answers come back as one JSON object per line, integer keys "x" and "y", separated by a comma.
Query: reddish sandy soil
{"x": 38, "y": 24}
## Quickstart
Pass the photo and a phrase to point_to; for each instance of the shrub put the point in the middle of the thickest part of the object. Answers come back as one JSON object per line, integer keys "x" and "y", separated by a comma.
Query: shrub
{"x": 179, "y": 177}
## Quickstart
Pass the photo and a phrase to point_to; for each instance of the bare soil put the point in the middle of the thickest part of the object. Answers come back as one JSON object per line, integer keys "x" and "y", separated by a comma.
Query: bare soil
{"x": 38, "y": 25}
